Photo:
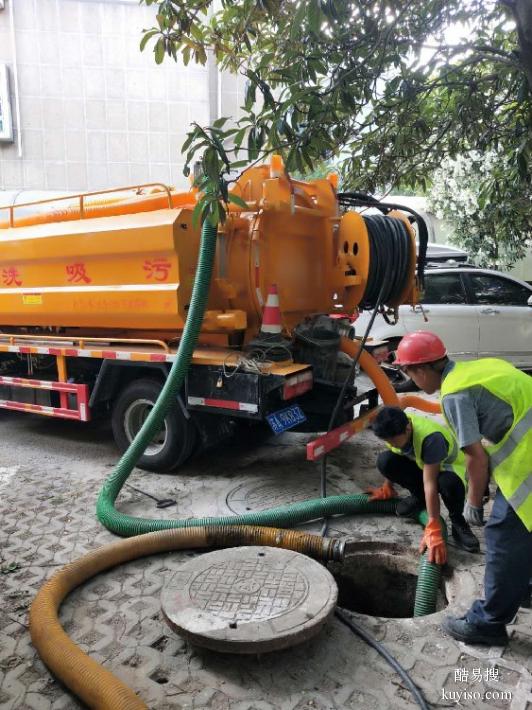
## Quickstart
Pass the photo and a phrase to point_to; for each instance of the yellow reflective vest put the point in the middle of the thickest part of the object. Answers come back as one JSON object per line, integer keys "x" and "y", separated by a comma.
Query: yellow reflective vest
{"x": 423, "y": 427}
{"x": 510, "y": 458}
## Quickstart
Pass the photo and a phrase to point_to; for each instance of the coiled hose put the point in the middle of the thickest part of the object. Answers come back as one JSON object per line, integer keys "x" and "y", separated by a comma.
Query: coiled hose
{"x": 93, "y": 684}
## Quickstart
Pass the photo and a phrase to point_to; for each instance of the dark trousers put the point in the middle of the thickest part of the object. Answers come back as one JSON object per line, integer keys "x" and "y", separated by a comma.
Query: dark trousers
{"x": 402, "y": 470}
{"x": 508, "y": 567}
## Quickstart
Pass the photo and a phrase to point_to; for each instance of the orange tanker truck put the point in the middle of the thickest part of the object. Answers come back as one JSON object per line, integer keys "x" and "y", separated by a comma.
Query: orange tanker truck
{"x": 94, "y": 293}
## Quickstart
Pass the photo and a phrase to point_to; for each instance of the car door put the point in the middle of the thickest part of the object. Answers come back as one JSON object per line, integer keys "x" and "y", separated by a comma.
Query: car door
{"x": 445, "y": 310}
{"x": 505, "y": 318}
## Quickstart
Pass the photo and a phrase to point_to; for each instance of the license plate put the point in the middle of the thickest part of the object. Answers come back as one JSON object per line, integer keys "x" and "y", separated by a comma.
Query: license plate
{"x": 286, "y": 419}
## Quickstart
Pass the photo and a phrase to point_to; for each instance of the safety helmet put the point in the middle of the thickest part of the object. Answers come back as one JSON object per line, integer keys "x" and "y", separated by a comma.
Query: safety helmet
{"x": 419, "y": 347}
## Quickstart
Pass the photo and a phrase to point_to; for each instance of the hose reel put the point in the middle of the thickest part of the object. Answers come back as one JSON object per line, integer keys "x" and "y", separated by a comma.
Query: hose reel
{"x": 371, "y": 247}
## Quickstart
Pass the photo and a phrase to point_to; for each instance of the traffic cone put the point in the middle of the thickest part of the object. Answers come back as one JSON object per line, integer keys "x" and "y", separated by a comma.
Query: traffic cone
{"x": 271, "y": 317}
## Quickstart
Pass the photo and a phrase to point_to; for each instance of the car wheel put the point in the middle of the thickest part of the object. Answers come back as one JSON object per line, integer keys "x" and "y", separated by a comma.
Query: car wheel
{"x": 172, "y": 446}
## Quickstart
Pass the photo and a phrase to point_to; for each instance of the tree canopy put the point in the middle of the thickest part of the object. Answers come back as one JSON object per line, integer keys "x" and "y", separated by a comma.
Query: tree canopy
{"x": 387, "y": 89}
{"x": 479, "y": 196}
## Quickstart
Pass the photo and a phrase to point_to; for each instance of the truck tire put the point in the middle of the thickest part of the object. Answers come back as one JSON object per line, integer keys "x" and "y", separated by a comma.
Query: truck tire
{"x": 174, "y": 444}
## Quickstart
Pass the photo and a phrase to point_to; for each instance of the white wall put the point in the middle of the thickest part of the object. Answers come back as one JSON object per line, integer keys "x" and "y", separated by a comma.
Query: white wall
{"x": 95, "y": 111}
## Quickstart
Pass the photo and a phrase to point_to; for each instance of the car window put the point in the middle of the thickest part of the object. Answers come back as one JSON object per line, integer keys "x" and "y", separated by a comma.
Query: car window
{"x": 498, "y": 290}
{"x": 444, "y": 288}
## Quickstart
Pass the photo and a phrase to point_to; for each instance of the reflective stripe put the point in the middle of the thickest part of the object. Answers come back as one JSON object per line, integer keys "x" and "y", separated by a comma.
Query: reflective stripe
{"x": 522, "y": 493}
{"x": 519, "y": 431}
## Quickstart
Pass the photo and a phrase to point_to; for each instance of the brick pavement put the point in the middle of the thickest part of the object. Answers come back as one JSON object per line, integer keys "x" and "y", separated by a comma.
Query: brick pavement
{"x": 50, "y": 474}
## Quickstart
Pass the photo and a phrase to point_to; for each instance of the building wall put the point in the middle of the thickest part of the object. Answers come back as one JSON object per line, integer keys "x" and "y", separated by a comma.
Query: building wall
{"x": 95, "y": 112}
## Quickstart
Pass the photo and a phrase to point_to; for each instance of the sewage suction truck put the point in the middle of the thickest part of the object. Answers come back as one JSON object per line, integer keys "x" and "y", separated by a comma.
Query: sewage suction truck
{"x": 95, "y": 291}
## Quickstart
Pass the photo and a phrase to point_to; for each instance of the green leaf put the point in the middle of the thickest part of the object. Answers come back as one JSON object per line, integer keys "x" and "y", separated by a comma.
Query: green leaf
{"x": 196, "y": 212}
{"x": 238, "y": 201}
{"x": 159, "y": 50}
{"x": 146, "y": 38}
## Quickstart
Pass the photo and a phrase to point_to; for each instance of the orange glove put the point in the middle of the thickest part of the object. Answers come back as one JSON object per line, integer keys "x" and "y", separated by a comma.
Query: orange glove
{"x": 433, "y": 540}
{"x": 385, "y": 492}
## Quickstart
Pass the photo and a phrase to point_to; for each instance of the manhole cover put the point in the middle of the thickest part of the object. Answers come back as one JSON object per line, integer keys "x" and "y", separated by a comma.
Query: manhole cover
{"x": 262, "y": 495}
{"x": 249, "y": 599}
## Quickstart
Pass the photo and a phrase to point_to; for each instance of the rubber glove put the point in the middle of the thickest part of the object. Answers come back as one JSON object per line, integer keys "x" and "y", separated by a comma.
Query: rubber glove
{"x": 385, "y": 492}
{"x": 473, "y": 515}
{"x": 433, "y": 540}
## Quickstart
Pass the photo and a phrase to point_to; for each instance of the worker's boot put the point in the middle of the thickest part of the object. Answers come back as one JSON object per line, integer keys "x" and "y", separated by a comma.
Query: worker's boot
{"x": 409, "y": 507}
{"x": 463, "y": 535}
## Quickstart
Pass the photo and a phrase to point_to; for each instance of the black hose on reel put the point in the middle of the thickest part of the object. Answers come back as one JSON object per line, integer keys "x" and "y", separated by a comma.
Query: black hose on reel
{"x": 390, "y": 255}
{"x": 361, "y": 199}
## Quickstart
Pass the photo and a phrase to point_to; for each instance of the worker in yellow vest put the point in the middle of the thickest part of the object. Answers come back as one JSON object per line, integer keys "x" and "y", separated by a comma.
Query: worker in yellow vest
{"x": 424, "y": 458}
{"x": 486, "y": 399}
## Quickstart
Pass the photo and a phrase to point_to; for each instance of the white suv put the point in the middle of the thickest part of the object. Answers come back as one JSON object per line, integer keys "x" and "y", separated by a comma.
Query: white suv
{"x": 476, "y": 312}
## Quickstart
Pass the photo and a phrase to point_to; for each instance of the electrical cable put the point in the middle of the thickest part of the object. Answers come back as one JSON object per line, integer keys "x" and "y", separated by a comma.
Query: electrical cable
{"x": 383, "y": 651}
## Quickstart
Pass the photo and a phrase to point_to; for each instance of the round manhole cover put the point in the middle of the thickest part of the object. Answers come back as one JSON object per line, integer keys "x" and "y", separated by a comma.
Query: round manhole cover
{"x": 271, "y": 493}
{"x": 249, "y": 599}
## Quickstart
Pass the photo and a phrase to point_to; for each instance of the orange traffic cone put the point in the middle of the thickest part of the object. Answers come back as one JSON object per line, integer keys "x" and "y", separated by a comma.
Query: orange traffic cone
{"x": 271, "y": 317}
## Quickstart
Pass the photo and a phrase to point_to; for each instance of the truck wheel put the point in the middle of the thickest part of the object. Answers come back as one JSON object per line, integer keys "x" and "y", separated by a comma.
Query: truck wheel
{"x": 174, "y": 443}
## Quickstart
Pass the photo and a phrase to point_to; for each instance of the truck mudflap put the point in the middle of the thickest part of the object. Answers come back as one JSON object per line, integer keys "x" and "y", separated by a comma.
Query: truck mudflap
{"x": 252, "y": 395}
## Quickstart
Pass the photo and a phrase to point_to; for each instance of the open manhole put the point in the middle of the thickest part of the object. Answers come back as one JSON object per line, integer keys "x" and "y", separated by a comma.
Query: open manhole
{"x": 380, "y": 581}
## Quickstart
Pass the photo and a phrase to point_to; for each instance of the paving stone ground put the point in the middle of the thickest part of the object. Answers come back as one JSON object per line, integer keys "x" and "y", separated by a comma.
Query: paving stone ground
{"x": 50, "y": 475}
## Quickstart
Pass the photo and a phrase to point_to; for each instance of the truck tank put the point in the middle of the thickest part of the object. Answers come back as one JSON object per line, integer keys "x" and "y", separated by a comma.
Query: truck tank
{"x": 124, "y": 261}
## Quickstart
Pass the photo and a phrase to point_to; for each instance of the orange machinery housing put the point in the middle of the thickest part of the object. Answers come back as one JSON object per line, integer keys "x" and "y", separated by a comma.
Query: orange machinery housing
{"x": 108, "y": 277}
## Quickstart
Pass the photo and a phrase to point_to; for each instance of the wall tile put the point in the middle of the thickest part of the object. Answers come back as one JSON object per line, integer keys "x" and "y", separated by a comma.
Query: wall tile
{"x": 158, "y": 116}
{"x": 139, "y": 173}
{"x": 76, "y": 176}
{"x": 11, "y": 174}
{"x": 69, "y": 48}
{"x": 118, "y": 174}
{"x": 158, "y": 147}
{"x": 54, "y": 144}
{"x": 69, "y": 17}
{"x": 115, "y": 83}
{"x": 94, "y": 81}
{"x": 137, "y": 116}
{"x": 56, "y": 178}
{"x": 96, "y": 146}
{"x": 97, "y": 176}
{"x": 116, "y": 115}
{"x": 117, "y": 147}
{"x": 138, "y": 147}
{"x": 92, "y": 53}
{"x": 26, "y": 18}
{"x": 29, "y": 79}
{"x": 75, "y": 146}
{"x": 74, "y": 112}
{"x": 136, "y": 84}
{"x": 52, "y": 114}
{"x": 71, "y": 82}
{"x": 95, "y": 114}
{"x": 32, "y": 146}
{"x": 34, "y": 175}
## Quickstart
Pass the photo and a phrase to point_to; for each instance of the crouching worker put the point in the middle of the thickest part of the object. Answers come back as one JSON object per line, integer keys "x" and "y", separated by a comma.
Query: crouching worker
{"x": 424, "y": 458}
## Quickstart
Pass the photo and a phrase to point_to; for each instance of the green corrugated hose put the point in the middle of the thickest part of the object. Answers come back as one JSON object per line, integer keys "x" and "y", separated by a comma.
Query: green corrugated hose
{"x": 284, "y": 516}
{"x": 428, "y": 576}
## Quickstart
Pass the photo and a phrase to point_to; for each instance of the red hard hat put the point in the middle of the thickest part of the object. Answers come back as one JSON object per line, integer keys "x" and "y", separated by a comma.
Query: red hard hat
{"x": 419, "y": 347}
